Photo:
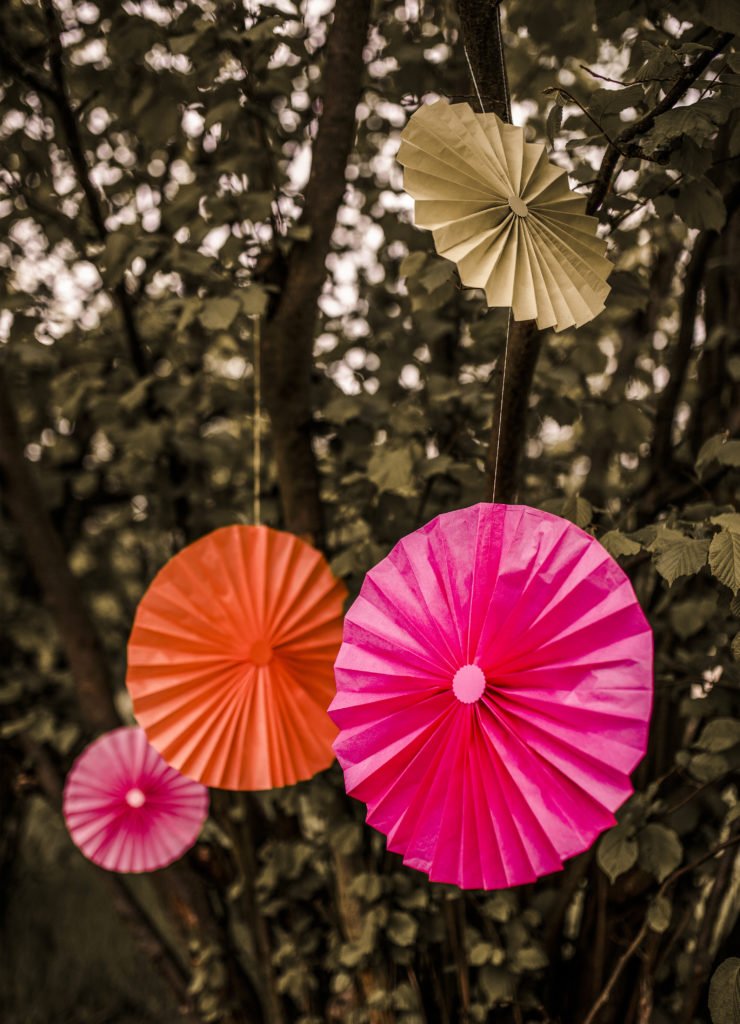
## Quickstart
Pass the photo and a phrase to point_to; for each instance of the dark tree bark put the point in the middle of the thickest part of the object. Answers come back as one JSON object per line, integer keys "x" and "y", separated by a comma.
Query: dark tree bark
{"x": 512, "y": 388}
{"x": 481, "y": 31}
{"x": 662, "y": 454}
{"x": 289, "y": 333}
{"x": 480, "y": 21}
{"x": 482, "y": 40}
{"x": 46, "y": 556}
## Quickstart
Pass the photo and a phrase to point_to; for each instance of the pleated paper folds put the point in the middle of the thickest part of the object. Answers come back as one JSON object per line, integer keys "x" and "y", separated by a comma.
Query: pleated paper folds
{"x": 504, "y": 214}
{"x": 126, "y": 809}
{"x": 230, "y": 659}
{"x": 494, "y": 689}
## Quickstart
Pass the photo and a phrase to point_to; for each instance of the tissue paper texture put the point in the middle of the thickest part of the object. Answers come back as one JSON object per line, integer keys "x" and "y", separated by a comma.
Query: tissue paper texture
{"x": 126, "y": 809}
{"x": 504, "y": 214}
{"x": 494, "y": 788}
{"x": 230, "y": 659}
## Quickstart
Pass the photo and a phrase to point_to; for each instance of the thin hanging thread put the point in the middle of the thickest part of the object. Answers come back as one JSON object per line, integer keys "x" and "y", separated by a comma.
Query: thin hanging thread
{"x": 472, "y": 76}
{"x": 257, "y": 424}
{"x": 501, "y": 408}
{"x": 507, "y": 106}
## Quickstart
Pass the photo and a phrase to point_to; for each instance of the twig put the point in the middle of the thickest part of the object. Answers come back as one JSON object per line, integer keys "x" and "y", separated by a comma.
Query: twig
{"x": 288, "y": 364}
{"x": 643, "y": 125}
{"x": 57, "y": 92}
{"x": 606, "y": 992}
{"x": 620, "y": 81}
{"x": 704, "y": 952}
{"x": 48, "y": 561}
{"x": 577, "y": 103}
{"x": 691, "y": 286}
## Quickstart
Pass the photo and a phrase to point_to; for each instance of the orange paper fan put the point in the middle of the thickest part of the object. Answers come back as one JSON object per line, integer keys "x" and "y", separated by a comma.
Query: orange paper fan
{"x": 230, "y": 660}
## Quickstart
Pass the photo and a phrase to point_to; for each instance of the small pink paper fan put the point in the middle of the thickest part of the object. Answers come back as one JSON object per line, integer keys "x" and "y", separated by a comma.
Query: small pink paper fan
{"x": 494, "y": 688}
{"x": 126, "y": 809}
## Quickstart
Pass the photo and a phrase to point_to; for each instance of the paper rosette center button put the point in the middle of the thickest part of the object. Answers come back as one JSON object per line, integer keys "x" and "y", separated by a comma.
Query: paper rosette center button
{"x": 260, "y": 653}
{"x": 469, "y": 684}
{"x": 135, "y": 797}
{"x": 518, "y": 206}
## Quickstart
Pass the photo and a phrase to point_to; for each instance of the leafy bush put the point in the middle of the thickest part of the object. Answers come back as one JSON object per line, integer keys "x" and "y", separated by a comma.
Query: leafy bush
{"x": 156, "y": 202}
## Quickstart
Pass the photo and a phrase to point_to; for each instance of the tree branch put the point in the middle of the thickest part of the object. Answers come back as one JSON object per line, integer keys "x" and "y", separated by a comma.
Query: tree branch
{"x": 173, "y": 960}
{"x": 56, "y": 91}
{"x": 289, "y": 334}
{"x": 513, "y": 390}
{"x": 480, "y": 21}
{"x": 645, "y": 928}
{"x": 46, "y": 556}
{"x": 481, "y": 32}
{"x": 669, "y": 397}
{"x": 643, "y": 125}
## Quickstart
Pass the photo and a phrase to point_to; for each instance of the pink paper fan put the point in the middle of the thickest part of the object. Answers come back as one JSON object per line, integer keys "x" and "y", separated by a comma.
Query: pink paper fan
{"x": 126, "y": 809}
{"x": 494, "y": 689}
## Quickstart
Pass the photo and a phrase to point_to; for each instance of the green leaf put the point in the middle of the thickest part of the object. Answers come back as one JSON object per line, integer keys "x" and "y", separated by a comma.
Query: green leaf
{"x": 618, "y": 544}
{"x": 700, "y": 205}
{"x": 659, "y": 914}
{"x": 577, "y": 510}
{"x": 116, "y": 256}
{"x": 480, "y": 954}
{"x": 263, "y": 31}
{"x": 437, "y": 273}
{"x": 254, "y": 300}
{"x": 690, "y": 158}
{"x": 724, "y": 993}
{"x": 530, "y": 958}
{"x": 500, "y": 907}
{"x": 368, "y": 887}
{"x": 718, "y": 449}
{"x": 658, "y": 64}
{"x": 574, "y": 508}
{"x": 696, "y": 121}
{"x": 613, "y": 101}
{"x": 342, "y": 409}
{"x": 690, "y": 617}
{"x": 412, "y": 263}
{"x": 496, "y": 984}
{"x": 135, "y": 396}
{"x": 617, "y": 852}
{"x": 554, "y": 121}
{"x": 347, "y": 838}
{"x": 660, "y": 850}
{"x": 727, "y": 520}
{"x": 402, "y": 928}
{"x": 720, "y": 734}
{"x": 678, "y": 555}
{"x": 724, "y": 558}
{"x": 709, "y": 452}
{"x": 729, "y": 454}
{"x": 707, "y": 767}
{"x": 392, "y": 471}
{"x": 735, "y": 647}
{"x": 219, "y": 314}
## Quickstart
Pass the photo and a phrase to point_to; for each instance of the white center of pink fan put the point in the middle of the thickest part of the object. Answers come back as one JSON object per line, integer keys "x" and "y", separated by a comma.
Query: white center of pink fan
{"x": 469, "y": 684}
{"x": 135, "y": 798}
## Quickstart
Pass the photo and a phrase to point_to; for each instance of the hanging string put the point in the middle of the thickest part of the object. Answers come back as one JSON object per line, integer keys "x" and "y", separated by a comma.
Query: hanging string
{"x": 257, "y": 420}
{"x": 501, "y": 64}
{"x": 501, "y": 408}
{"x": 472, "y": 78}
{"x": 507, "y": 110}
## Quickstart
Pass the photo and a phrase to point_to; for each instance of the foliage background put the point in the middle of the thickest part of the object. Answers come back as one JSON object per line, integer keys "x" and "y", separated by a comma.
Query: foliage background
{"x": 155, "y": 199}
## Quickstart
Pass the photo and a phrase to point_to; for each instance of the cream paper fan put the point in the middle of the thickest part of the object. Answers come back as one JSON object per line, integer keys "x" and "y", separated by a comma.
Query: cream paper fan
{"x": 504, "y": 214}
